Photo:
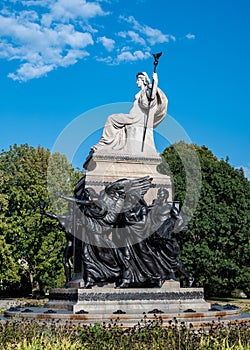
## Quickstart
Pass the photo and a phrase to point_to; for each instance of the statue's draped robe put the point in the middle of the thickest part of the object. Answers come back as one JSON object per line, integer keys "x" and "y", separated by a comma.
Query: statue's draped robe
{"x": 116, "y": 135}
{"x": 148, "y": 245}
{"x": 101, "y": 259}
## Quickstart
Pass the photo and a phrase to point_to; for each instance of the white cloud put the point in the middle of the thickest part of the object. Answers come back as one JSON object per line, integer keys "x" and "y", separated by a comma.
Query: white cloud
{"x": 106, "y": 42}
{"x": 190, "y": 36}
{"x": 36, "y": 2}
{"x": 133, "y": 36}
{"x": 19, "y": 30}
{"x": 128, "y": 56}
{"x": 108, "y": 59}
{"x": 42, "y": 35}
{"x": 72, "y": 57}
{"x": 65, "y": 10}
{"x": 67, "y": 35}
{"x": 7, "y": 51}
{"x": 172, "y": 37}
{"x": 153, "y": 36}
{"x": 42, "y": 49}
{"x": 88, "y": 28}
{"x": 30, "y": 16}
{"x": 29, "y": 71}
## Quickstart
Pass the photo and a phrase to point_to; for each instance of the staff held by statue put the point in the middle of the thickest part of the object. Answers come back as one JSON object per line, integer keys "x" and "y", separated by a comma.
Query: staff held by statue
{"x": 156, "y": 59}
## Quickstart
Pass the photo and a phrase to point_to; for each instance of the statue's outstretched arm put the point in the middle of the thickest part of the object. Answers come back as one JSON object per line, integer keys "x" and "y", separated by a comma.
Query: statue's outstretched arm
{"x": 49, "y": 215}
{"x": 155, "y": 85}
{"x": 75, "y": 200}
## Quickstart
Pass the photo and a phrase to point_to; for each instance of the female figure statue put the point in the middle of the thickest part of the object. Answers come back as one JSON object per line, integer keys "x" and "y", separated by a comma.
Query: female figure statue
{"x": 123, "y": 133}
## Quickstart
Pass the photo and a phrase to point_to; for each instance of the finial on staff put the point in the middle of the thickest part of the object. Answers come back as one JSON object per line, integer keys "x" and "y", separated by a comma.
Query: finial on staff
{"x": 156, "y": 57}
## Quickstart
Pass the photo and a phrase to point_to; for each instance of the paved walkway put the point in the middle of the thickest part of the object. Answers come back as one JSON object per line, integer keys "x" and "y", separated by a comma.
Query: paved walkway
{"x": 7, "y": 303}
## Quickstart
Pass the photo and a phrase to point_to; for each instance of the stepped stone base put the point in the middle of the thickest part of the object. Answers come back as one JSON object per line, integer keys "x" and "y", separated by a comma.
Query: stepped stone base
{"x": 168, "y": 299}
{"x": 127, "y": 307}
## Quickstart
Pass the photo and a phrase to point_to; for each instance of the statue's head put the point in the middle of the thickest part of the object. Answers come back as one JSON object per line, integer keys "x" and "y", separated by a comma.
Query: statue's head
{"x": 162, "y": 193}
{"x": 144, "y": 77}
{"x": 134, "y": 197}
{"x": 90, "y": 193}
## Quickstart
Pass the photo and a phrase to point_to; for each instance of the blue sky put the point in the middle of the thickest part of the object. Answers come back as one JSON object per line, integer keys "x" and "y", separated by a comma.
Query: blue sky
{"x": 62, "y": 58}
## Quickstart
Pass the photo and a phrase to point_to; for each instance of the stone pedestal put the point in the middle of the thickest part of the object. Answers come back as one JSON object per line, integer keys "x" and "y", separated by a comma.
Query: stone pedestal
{"x": 105, "y": 168}
{"x": 132, "y": 301}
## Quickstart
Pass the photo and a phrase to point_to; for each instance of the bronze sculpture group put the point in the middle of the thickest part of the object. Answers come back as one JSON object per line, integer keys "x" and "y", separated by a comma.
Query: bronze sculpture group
{"x": 123, "y": 240}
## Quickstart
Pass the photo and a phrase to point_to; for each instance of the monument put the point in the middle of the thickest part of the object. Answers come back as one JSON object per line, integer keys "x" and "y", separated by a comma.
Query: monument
{"x": 123, "y": 221}
{"x": 121, "y": 230}
{"x": 121, "y": 227}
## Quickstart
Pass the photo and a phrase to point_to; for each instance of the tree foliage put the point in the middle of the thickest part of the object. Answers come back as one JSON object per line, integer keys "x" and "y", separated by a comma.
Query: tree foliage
{"x": 8, "y": 270}
{"x": 216, "y": 247}
{"x": 31, "y": 245}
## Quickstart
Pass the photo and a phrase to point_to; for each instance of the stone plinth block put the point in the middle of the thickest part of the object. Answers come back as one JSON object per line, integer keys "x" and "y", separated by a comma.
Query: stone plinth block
{"x": 106, "y": 168}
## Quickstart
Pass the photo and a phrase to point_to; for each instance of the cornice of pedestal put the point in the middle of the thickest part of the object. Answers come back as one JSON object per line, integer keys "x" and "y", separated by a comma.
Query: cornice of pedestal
{"x": 115, "y": 157}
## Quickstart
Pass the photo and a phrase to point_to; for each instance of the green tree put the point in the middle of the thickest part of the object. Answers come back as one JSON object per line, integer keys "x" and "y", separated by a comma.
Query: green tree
{"x": 216, "y": 247}
{"x": 8, "y": 268}
{"x": 33, "y": 242}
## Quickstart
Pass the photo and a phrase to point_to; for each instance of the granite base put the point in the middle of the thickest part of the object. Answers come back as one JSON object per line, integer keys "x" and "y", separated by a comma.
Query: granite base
{"x": 168, "y": 299}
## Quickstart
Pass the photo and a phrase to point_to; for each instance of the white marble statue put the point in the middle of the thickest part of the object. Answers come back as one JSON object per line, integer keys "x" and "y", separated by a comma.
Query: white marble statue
{"x": 123, "y": 133}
